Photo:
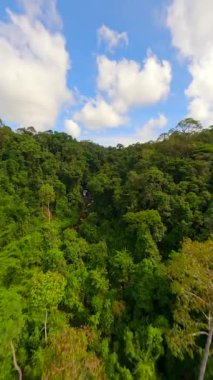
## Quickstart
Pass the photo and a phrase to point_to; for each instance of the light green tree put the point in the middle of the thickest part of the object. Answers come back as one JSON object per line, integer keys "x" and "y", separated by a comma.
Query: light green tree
{"x": 11, "y": 324}
{"x": 47, "y": 292}
{"x": 47, "y": 196}
{"x": 191, "y": 272}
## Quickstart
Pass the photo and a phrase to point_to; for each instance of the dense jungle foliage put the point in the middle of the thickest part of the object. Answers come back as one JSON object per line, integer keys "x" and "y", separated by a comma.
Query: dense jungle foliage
{"x": 106, "y": 257}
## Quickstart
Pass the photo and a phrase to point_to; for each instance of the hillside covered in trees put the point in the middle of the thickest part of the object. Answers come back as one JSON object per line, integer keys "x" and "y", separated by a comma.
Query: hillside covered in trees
{"x": 106, "y": 257}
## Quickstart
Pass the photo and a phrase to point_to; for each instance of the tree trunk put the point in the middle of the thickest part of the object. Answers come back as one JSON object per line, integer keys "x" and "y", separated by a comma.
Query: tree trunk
{"x": 205, "y": 354}
{"x": 45, "y": 327}
{"x": 48, "y": 206}
{"x": 16, "y": 366}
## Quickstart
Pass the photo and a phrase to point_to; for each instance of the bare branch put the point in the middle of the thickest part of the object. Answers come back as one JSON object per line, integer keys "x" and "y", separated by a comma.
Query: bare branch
{"x": 16, "y": 366}
{"x": 200, "y": 333}
{"x": 195, "y": 295}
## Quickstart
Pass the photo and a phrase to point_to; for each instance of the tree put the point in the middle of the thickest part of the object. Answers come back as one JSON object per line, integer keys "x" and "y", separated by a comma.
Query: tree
{"x": 149, "y": 230}
{"x": 47, "y": 292}
{"x": 31, "y": 130}
{"x": 163, "y": 137}
{"x": 67, "y": 357}
{"x": 119, "y": 146}
{"x": 191, "y": 272}
{"x": 47, "y": 196}
{"x": 122, "y": 267}
{"x": 11, "y": 324}
{"x": 188, "y": 125}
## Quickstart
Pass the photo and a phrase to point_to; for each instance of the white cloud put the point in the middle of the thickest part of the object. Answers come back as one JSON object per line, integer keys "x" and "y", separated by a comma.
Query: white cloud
{"x": 127, "y": 84}
{"x": 149, "y": 131}
{"x": 200, "y": 91}
{"x": 152, "y": 129}
{"x": 190, "y": 22}
{"x": 112, "y": 38}
{"x": 121, "y": 86}
{"x": 191, "y": 28}
{"x": 98, "y": 114}
{"x": 72, "y": 128}
{"x": 34, "y": 65}
{"x": 44, "y": 10}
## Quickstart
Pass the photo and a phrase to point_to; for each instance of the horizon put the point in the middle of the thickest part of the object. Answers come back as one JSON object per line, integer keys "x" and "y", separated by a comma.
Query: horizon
{"x": 116, "y": 73}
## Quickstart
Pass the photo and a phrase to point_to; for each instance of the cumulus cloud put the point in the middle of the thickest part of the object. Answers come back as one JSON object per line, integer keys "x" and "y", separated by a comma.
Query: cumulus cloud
{"x": 121, "y": 86}
{"x": 191, "y": 28}
{"x": 111, "y": 38}
{"x": 98, "y": 114}
{"x": 34, "y": 65}
{"x": 127, "y": 83}
{"x": 152, "y": 129}
{"x": 200, "y": 90}
{"x": 149, "y": 131}
{"x": 72, "y": 128}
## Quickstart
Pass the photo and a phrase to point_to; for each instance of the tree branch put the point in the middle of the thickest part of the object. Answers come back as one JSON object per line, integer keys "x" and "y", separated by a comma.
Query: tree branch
{"x": 200, "y": 333}
{"x": 195, "y": 295}
{"x": 45, "y": 326}
{"x": 16, "y": 366}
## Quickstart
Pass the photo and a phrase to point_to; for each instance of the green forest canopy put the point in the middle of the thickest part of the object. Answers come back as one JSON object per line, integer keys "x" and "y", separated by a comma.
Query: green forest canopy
{"x": 96, "y": 286}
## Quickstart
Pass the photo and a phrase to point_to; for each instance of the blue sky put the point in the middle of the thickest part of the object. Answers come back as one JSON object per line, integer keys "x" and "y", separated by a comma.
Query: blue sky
{"x": 108, "y": 71}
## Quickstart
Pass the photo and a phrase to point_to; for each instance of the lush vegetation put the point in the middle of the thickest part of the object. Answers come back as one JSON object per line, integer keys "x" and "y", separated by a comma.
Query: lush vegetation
{"x": 115, "y": 283}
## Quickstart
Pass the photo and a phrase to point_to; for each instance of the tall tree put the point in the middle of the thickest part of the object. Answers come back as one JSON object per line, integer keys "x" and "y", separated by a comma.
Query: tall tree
{"x": 47, "y": 196}
{"x": 11, "y": 324}
{"x": 191, "y": 272}
{"x": 47, "y": 292}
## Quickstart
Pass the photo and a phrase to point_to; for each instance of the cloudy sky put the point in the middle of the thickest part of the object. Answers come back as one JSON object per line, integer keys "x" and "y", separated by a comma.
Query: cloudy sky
{"x": 115, "y": 71}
